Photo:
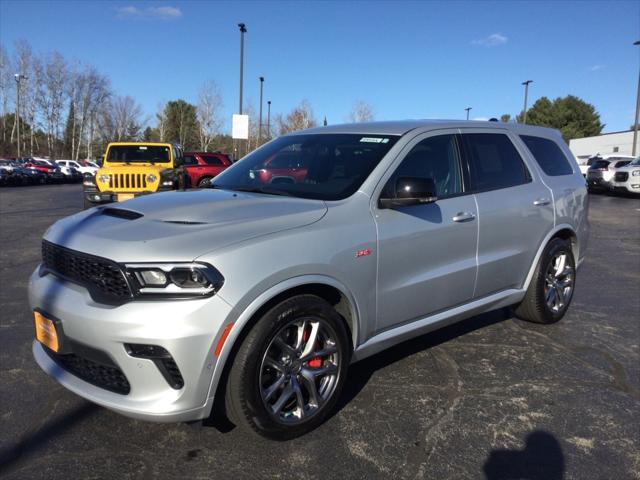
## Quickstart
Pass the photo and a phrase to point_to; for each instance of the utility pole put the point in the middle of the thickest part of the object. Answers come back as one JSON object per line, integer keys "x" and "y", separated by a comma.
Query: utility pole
{"x": 18, "y": 77}
{"x": 526, "y": 94}
{"x": 635, "y": 125}
{"x": 243, "y": 30}
{"x": 260, "y": 121}
{"x": 467, "y": 110}
{"x": 269, "y": 119}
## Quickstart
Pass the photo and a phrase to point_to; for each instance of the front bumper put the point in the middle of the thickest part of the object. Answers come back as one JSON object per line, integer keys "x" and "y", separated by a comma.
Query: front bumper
{"x": 188, "y": 329}
{"x": 632, "y": 185}
{"x": 98, "y": 197}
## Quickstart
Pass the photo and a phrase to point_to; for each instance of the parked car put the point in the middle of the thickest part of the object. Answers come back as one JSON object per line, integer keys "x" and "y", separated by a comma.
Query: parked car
{"x": 203, "y": 166}
{"x": 80, "y": 167}
{"x": 53, "y": 172}
{"x": 31, "y": 177}
{"x": 72, "y": 175}
{"x": 627, "y": 178}
{"x": 600, "y": 173}
{"x": 260, "y": 295}
{"x": 133, "y": 169}
{"x": 282, "y": 167}
{"x": 4, "y": 177}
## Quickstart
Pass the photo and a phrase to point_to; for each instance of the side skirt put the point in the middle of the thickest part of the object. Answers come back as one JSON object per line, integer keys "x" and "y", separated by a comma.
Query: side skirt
{"x": 396, "y": 335}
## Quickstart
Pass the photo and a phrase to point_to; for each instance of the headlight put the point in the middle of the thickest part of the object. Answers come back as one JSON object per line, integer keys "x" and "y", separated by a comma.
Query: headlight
{"x": 104, "y": 178}
{"x": 635, "y": 173}
{"x": 151, "y": 178}
{"x": 175, "y": 279}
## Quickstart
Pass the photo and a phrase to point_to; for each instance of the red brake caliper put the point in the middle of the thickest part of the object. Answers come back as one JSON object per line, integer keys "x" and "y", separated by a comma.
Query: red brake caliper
{"x": 314, "y": 362}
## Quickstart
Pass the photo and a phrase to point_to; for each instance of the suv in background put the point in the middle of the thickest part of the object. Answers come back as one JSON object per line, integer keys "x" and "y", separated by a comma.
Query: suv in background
{"x": 131, "y": 169}
{"x": 82, "y": 168}
{"x": 260, "y": 295}
{"x": 602, "y": 169}
{"x": 627, "y": 178}
{"x": 203, "y": 166}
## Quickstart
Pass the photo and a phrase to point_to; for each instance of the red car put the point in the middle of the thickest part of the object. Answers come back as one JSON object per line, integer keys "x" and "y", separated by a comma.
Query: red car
{"x": 283, "y": 167}
{"x": 203, "y": 166}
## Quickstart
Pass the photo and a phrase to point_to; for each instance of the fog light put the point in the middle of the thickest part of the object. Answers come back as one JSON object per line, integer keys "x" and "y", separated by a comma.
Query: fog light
{"x": 96, "y": 198}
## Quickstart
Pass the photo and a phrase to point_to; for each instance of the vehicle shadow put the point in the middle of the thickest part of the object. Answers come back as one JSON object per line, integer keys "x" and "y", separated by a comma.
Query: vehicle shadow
{"x": 361, "y": 372}
{"x": 541, "y": 459}
{"x": 35, "y": 441}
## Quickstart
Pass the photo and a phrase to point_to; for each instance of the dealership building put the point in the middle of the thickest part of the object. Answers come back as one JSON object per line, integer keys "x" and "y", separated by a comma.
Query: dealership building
{"x": 605, "y": 144}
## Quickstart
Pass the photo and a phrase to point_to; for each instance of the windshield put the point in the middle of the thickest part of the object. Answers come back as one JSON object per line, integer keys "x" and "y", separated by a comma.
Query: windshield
{"x": 139, "y": 154}
{"x": 319, "y": 166}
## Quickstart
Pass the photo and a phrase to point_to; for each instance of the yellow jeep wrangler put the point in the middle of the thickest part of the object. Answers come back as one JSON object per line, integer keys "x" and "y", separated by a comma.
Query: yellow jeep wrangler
{"x": 135, "y": 168}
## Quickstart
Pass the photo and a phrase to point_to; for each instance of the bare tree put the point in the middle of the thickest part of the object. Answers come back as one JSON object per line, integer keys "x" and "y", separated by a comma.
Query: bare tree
{"x": 6, "y": 88}
{"x": 208, "y": 110}
{"x": 161, "y": 118}
{"x": 299, "y": 118}
{"x": 361, "y": 111}
{"x": 93, "y": 91}
{"x": 50, "y": 95}
{"x": 121, "y": 119}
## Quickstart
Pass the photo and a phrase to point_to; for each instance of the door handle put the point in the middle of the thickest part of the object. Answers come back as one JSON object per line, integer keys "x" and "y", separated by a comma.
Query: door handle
{"x": 463, "y": 217}
{"x": 542, "y": 201}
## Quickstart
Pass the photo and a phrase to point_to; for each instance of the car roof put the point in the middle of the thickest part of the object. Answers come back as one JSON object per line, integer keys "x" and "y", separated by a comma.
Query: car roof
{"x": 400, "y": 127}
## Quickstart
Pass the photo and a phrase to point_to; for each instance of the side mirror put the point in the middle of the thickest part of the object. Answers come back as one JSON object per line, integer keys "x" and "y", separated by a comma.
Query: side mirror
{"x": 411, "y": 191}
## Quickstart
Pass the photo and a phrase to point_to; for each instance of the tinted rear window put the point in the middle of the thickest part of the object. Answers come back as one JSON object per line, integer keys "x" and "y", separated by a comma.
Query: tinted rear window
{"x": 210, "y": 160}
{"x": 600, "y": 164}
{"x": 494, "y": 162}
{"x": 548, "y": 155}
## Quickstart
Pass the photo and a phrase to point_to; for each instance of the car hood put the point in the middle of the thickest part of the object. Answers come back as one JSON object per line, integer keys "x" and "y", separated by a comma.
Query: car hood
{"x": 180, "y": 225}
{"x": 628, "y": 168}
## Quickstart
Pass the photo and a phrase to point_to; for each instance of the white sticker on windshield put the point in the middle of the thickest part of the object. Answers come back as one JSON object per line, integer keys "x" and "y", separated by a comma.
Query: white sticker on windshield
{"x": 373, "y": 140}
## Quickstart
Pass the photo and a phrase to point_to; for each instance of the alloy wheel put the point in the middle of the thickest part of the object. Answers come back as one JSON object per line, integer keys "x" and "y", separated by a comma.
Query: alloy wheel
{"x": 559, "y": 280}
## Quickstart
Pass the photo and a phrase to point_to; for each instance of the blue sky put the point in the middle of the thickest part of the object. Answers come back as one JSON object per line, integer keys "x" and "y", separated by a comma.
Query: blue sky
{"x": 407, "y": 59}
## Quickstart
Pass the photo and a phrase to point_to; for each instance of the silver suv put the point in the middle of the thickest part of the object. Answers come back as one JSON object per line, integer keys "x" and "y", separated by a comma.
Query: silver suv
{"x": 259, "y": 292}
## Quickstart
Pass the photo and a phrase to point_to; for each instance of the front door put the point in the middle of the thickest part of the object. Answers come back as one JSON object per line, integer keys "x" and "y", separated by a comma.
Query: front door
{"x": 427, "y": 253}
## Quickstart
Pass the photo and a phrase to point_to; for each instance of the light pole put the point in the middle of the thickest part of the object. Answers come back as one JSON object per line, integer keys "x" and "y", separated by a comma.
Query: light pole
{"x": 467, "y": 110}
{"x": 18, "y": 77}
{"x": 243, "y": 30}
{"x": 269, "y": 119}
{"x": 635, "y": 125}
{"x": 526, "y": 94}
{"x": 260, "y": 121}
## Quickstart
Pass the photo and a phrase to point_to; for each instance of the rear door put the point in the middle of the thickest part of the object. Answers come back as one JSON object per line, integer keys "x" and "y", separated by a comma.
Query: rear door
{"x": 514, "y": 207}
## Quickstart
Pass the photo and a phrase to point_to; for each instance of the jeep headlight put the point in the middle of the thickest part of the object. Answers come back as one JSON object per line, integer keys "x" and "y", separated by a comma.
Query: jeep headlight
{"x": 151, "y": 178}
{"x": 103, "y": 178}
{"x": 175, "y": 279}
{"x": 635, "y": 173}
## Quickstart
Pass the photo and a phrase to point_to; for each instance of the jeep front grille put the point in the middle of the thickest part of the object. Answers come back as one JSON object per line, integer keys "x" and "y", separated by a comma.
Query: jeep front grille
{"x": 127, "y": 181}
{"x": 104, "y": 279}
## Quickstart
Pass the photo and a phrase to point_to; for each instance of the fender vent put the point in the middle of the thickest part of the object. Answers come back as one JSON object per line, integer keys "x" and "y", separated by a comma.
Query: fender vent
{"x": 121, "y": 213}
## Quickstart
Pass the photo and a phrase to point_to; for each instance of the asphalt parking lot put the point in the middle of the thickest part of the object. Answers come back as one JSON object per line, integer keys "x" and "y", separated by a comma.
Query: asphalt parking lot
{"x": 491, "y": 397}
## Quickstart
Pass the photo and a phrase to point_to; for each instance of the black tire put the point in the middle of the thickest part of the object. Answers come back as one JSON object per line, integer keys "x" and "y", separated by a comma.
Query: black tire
{"x": 243, "y": 399}
{"x": 204, "y": 182}
{"x": 534, "y": 306}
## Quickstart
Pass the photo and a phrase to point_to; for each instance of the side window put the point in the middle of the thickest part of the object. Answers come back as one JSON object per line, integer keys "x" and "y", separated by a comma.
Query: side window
{"x": 548, "y": 154}
{"x": 494, "y": 162}
{"x": 437, "y": 158}
{"x": 190, "y": 160}
{"x": 211, "y": 160}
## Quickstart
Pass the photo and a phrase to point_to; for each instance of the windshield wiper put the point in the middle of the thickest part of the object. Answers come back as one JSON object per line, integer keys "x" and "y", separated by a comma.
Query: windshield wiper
{"x": 267, "y": 190}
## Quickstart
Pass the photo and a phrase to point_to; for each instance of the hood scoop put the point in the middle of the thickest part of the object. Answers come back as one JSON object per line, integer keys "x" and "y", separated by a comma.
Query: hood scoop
{"x": 184, "y": 222}
{"x": 121, "y": 213}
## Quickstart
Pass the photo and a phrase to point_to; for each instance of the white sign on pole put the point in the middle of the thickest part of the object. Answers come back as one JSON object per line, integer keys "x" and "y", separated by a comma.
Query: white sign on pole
{"x": 240, "y": 127}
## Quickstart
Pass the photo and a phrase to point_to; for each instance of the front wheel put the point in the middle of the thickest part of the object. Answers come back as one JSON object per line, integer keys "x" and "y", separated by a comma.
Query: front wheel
{"x": 289, "y": 370}
{"x": 204, "y": 182}
{"x": 551, "y": 288}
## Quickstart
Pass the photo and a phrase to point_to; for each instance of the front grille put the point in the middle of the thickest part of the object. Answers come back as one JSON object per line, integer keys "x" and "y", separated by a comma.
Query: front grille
{"x": 103, "y": 278}
{"x": 622, "y": 176}
{"x": 127, "y": 181}
{"x": 109, "y": 377}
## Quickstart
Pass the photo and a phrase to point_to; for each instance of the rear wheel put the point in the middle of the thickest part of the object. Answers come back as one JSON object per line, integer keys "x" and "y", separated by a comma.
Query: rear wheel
{"x": 551, "y": 288}
{"x": 289, "y": 370}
